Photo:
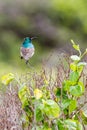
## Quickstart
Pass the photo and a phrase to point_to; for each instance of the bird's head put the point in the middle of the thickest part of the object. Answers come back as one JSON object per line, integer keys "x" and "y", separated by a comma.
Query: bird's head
{"x": 27, "y": 40}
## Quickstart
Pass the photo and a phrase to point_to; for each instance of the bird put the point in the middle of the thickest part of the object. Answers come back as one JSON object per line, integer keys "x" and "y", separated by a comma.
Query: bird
{"x": 27, "y": 49}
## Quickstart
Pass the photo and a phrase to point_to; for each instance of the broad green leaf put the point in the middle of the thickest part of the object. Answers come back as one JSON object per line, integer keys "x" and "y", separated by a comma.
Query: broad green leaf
{"x": 69, "y": 103}
{"x": 73, "y": 66}
{"x": 75, "y": 58}
{"x": 39, "y": 112}
{"x": 51, "y": 109}
{"x": 77, "y": 90}
{"x": 25, "y": 102}
{"x": 69, "y": 125}
{"x": 23, "y": 94}
{"x": 23, "y": 91}
{"x": 65, "y": 103}
{"x": 72, "y": 106}
{"x": 74, "y": 76}
{"x": 72, "y": 125}
{"x": 66, "y": 85}
{"x": 6, "y": 79}
{"x": 60, "y": 124}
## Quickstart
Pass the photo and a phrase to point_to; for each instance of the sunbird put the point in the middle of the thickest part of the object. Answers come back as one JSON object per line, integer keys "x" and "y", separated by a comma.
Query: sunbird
{"x": 27, "y": 49}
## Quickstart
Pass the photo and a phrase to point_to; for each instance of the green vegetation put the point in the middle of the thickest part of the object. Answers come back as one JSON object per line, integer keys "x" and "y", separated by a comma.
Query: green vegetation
{"x": 47, "y": 105}
{"x": 39, "y": 97}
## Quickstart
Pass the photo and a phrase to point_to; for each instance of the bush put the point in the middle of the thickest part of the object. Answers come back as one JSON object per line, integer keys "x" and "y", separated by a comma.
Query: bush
{"x": 52, "y": 101}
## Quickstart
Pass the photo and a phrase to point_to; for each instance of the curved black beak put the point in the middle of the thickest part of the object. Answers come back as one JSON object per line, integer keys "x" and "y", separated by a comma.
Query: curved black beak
{"x": 33, "y": 38}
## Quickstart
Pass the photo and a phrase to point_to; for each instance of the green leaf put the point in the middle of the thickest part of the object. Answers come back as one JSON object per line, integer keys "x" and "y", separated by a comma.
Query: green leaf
{"x": 24, "y": 102}
{"x": 66, "y": 85}
{"x": 69, "y": 125}
{"x": 60, "y": 124}
{"x": 51, "y": 108}
{"x": 72, "y": 106}
{"x": 69, "y": 103}
{"x": 75, "y": 58}
{"x": 23, "y": 94}
{"x": 65, "y": 103}
{"x": 73, "y": 66}
{"x": 82, "y": 64}
{"x": 74, "y": 76}
{"x": 75, "y": 46}
{"x": 39, "y": 112}
{"x": 23, "y": 91}
{"x": 46, "y": 126}
{"x": 72, "y": 125}
{"x": 6, "y": 79}
{"x": 77, "y": 90}
{"x": 58, "y": 92}
{"x": 24, "y": 120}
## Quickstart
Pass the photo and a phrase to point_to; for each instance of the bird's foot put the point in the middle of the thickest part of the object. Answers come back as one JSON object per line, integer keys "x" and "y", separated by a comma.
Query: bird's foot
{"x": 27, "y": 62}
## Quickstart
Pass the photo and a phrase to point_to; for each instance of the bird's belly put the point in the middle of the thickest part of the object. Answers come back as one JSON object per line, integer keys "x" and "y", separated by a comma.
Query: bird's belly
{"x": 27, "y": 53}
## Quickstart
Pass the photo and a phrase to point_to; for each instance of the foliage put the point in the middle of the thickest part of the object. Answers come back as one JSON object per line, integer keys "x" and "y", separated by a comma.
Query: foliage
{"x": 6, "y": 79}
{"x": 48, "y": 105}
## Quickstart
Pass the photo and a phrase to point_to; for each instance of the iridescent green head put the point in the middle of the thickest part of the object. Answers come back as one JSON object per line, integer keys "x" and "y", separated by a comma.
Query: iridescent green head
{"x": 27, "y": 40}
{"x": 27, "y": 43}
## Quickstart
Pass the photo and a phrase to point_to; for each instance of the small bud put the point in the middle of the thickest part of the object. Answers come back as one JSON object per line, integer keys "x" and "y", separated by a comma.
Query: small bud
{"x": 86, "y": 49}
{"x": 37, "y": 93}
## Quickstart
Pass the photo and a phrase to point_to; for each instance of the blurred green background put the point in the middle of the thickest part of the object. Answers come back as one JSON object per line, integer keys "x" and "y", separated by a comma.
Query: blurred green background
{"x": 54, "y": 22}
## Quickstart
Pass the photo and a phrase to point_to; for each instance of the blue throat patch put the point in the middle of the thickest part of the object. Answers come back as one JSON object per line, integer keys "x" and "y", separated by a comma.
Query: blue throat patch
{"x": 27, "y": 45}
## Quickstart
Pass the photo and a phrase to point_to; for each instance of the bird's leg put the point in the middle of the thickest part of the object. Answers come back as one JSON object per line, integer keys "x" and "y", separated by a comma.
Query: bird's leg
{"x": 30, "y": 66}
{"x": 27, "y": 62}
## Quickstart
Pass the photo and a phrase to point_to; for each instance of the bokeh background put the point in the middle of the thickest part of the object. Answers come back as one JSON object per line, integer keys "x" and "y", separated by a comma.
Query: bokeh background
{"x": 54, "y": 22}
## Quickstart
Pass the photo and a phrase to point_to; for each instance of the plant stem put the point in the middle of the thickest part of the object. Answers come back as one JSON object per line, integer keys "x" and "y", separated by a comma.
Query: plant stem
{"x": 35, "y": 116}
{"x": 83, "y": 54}
{"x": 61, "y": 95}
